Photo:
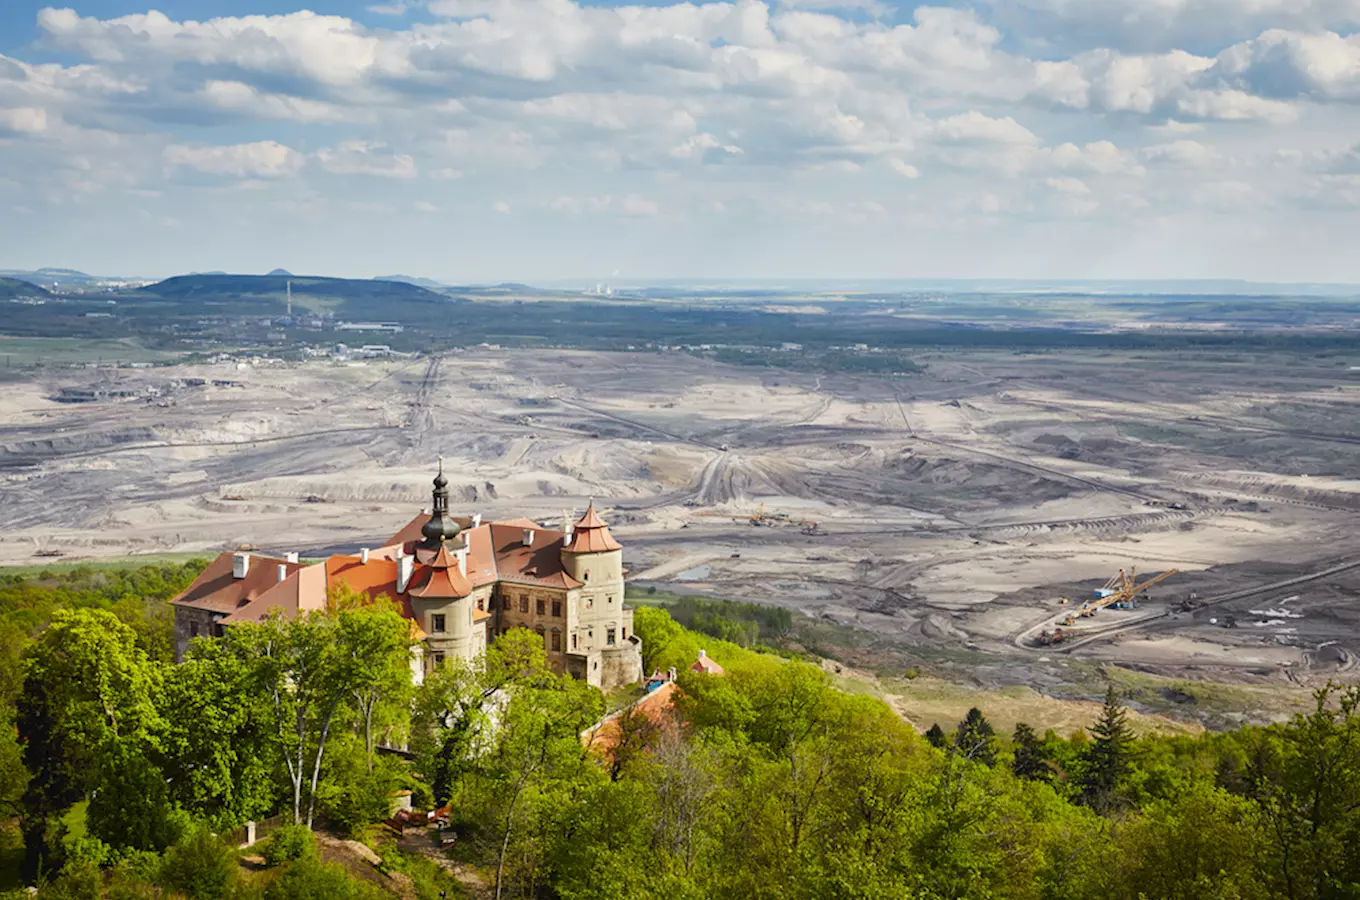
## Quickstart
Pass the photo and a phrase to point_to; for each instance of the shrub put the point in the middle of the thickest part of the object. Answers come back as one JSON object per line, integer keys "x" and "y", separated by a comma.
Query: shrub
{"x": 311, "y": 879}
{"x": 201, "y": 866}
{"x": 291, "y": 842}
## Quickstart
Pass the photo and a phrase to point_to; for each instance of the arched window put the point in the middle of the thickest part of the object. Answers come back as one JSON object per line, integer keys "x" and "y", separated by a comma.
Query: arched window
{"x": 539, "y": 629}
{"x": 557, "y": 640}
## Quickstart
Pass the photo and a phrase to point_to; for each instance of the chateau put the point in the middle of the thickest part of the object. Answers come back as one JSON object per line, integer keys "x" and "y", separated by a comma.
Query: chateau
{"x": 461, "y": 582}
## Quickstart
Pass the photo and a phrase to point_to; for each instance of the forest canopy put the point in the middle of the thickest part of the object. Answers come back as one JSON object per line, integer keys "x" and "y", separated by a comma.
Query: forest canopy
{"x": 121, "y": 773}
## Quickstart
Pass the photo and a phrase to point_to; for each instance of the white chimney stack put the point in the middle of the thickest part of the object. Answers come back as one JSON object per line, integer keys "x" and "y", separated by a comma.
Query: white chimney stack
{"x": 405, "y": 569}
{"x": 477, "y": 520}
{"x": 363, "y": 556}
{"x": 702, "y": 653}
{"x": 462, "y": 561}
{"x": 283, "y": 571}
{"x": 567, "y": 535}
{"x": 528, "y": 537}
{"x": 240, "y": 565}
{"x": 292, "y": 557}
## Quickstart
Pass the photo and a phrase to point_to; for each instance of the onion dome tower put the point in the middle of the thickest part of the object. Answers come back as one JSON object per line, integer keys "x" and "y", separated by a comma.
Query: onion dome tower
{"x": 441, "y": 528}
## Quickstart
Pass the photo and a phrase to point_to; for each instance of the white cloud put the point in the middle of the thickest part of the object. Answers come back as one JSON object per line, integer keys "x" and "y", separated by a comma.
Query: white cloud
{"x": 1182, "y": 153}
{"x": 23, "y": 120}
{"x": 632, "y": 110}
{"x": 262, "y": 159}
{"x": 424, "y": 206}
{"x": 365, "y": 158}
{"x": 501, "y": 207}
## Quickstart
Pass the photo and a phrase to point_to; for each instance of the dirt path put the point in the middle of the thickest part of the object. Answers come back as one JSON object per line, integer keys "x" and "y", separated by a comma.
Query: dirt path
{"x": 419, "y": 843}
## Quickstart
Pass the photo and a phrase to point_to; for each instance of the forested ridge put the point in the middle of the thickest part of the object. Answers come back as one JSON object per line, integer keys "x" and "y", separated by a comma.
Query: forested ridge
{"x": 121, "y": 774}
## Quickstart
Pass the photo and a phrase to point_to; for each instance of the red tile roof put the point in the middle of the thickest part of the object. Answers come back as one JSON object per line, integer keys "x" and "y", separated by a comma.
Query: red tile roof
{"x": 443, "y": 578}
{"x": 591, "y": 534}
{"x": 216, "y": 590}
{"x": 302, "y": 591}
{"x": 705, "y": 663}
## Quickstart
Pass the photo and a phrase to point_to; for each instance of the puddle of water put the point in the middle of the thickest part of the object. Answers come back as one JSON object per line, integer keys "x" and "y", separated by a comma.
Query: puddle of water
{"x": 695, "y": 573}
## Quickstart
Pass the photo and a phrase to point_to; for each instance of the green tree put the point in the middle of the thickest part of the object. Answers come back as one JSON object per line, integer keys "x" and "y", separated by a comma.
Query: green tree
{"x": 936, "y": 736}
{"x": 1029, "y": 760}
{"x": 376, "y": 643}
{"x": 1109, "y": 756}
{"x": 223, "y": 756}
{"x": 975, "y": 739}
{"x": 87, "y": 705}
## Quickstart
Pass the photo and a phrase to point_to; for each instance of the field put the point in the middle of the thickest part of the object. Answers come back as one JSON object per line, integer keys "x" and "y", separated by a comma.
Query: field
{"x": 943, "y": 514}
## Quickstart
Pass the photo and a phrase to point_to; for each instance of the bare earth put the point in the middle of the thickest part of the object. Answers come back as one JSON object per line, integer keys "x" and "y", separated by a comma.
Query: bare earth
{"x": 953, "y": 509}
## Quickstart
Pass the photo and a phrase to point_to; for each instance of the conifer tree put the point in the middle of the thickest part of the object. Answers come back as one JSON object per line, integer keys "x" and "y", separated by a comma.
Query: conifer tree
{"x": 1107, "y": 759}
{"x": 1031, "y": 761}
{"x": 975, "y": 738}
{"x": 936, "y": 736}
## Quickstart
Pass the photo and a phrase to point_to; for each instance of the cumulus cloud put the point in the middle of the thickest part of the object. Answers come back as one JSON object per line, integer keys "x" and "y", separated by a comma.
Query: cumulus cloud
{"x": 631, "y": 110}
{"x": 365, "y": 158}
{"x": 23, "y": 120}
{"x": 262, "y": 159}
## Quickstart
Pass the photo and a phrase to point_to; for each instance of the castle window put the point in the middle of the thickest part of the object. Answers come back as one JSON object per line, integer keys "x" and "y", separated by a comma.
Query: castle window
{"x": 611, "y": 599}
{"x": 585, "y": 576}
{"x": 557, "y": 609}
{"x": 556, "y": 641}
{"x": 590, "y": 601}
{"x": 506, "y": 604}
{"x": 524, "y": 603}
{"x": 218, "y": 630}
{"x": 438, "y": 660}
{"x": 540, "y": 606}
{"x": 625, "y": 634}
{"x": 481, "y": 603}
{"x": 573, "y": 640}
{"x": 193, "y": 629}
{"x": 609, "y": 636}
{"x": 539, "y": 629}
{"x": 436, "y": 623}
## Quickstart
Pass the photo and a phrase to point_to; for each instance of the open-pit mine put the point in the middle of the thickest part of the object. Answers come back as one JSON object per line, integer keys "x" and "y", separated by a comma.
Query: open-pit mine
{"x": 976, "y": 513}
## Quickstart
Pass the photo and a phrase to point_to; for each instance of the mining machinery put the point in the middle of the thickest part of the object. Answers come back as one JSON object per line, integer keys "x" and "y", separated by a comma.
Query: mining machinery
{"x": 1119, "y": 590}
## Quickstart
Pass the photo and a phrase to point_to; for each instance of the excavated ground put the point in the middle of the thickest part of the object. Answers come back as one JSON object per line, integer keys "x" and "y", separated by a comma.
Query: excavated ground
{"x": 952, "y": 508}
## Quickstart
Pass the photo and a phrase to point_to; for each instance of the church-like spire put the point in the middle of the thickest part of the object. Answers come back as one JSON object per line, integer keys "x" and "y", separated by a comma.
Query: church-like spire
{"x": 441, "y": 527}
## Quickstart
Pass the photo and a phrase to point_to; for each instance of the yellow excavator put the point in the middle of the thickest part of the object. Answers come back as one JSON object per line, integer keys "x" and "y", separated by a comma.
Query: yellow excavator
{"x": 1119, "y": 591}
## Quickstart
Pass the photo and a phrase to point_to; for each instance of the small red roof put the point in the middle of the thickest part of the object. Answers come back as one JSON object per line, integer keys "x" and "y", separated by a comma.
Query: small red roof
{"x": 445, "y": 578}
{"x": 706, "y": 664}
{"x": 591, "y": 534}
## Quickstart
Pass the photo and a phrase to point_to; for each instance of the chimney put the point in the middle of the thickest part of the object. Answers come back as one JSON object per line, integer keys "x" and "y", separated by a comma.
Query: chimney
{"x": 477, "y": 520}
{"x": 363, "y": 555}
{"x": 702, "y": 653}
{"x": 405, "y": 569}
{"x": 240, "y": 565}
{"x": 283, "y": 571}
{"x": 292, "y": 557}
{"x": 462, "y": 561}
{"x": 671, "y": 674}
{"x": 566, "y": 535}
{"x": 528, "y": 539}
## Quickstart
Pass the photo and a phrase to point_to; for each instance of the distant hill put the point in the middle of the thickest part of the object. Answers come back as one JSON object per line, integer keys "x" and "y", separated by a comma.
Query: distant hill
{"x": 346, "y": 298}
{"x": 49, "y": 276}
{"x": 19, "y": 289}
{"x": 412, "y": 279}
{"x": 282, "y": 272}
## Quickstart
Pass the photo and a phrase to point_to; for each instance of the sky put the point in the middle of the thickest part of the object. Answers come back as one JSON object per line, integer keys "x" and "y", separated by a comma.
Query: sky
{"x": 492, "y": 140}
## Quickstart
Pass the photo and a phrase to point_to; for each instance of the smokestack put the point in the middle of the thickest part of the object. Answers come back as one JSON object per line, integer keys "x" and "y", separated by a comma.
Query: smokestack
{"x": 405, "y": 569}
{"x": 363, "y": 556}
{"x": 240, "y": 565}
{"x": 283, "y": 571}
{"x": 292, "y": 557}
{"x": 528, "y": 539}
